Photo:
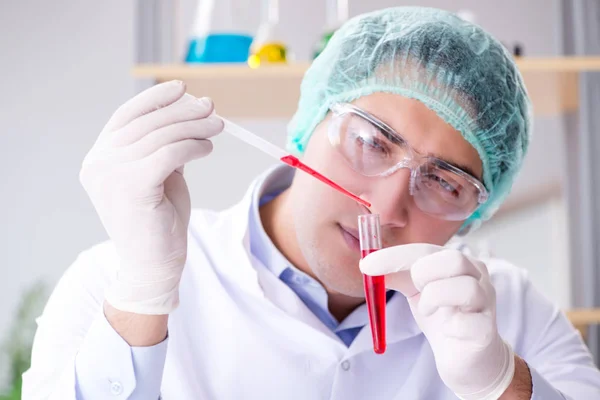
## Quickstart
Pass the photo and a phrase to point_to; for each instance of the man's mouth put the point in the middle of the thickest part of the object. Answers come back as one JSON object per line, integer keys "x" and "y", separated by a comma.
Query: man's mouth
{"x": 350, "y": 236}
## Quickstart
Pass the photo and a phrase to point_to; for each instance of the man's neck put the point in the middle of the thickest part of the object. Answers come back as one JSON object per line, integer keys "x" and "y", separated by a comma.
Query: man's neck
{"x": 341, "y": 305}
{"x": 278, "y": 222}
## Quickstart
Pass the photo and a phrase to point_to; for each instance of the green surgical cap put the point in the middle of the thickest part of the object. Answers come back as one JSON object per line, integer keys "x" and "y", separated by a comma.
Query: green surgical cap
{"x": 453, "y": 67}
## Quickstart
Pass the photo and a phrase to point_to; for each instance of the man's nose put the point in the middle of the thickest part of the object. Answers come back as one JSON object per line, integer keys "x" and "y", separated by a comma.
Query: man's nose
{"x": 390, "y": 198}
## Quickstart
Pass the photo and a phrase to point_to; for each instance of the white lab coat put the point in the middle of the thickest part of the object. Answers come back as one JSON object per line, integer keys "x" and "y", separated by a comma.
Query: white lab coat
{"x": 241, "y": 333}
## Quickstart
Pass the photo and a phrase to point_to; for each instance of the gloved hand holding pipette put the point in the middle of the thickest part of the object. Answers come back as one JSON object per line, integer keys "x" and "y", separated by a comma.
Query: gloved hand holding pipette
{"x": 133, "y": 175}
{"x": 454, "y": 303}
{"x": 134, "y": 178}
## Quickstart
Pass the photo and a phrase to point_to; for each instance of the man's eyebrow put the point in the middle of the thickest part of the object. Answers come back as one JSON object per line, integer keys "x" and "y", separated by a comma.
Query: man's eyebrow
{"x": 460, "y": 166}
{"x": 392, "y": 135}
{"x": 397, "y": 138}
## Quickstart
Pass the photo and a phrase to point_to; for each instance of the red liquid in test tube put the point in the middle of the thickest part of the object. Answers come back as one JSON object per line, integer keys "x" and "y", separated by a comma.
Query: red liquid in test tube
{"x": 370, "y": 241}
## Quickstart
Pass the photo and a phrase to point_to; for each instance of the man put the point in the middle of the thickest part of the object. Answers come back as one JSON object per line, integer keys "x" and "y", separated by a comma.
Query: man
{"x": 423, "y": 115}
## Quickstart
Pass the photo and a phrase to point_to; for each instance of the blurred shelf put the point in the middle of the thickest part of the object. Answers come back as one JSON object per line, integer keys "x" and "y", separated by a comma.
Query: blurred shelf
{"x": 272, "y": 91}
{"x": 558, "y": 64}
{"x": 218, "y": 71}
{"x": 583, "y": 318}
{"x": 237, "y": 90}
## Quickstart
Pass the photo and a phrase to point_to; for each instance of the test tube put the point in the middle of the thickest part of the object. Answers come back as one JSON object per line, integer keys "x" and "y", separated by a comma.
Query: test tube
{"x": 369, "y": 233}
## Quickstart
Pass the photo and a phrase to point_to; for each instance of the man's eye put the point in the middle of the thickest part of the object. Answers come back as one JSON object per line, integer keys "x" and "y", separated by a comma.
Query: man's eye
{"x": 370, "y": 143}
{"x": 444, "y": 185}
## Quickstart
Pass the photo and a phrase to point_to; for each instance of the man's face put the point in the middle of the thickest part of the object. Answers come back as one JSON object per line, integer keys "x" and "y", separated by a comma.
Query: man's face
{"x": 326, "y": 221}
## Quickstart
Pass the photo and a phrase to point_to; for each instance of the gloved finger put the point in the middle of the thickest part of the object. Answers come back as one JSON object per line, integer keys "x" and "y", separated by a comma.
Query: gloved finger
{"x": 149, "y": 100}
{"x": 395, "y": 263}
{"x": 402, "y": 282}
{"x": 396, "y": 258}
{"x": 188, "y": 108}
{"x": 196, "y": 129}
{"x": 442, "y": 265}
{"x": 160, "y": 164}
{"x": 473, "y": 327}
{"x": 464, "y": 292}
{"x": 481, "y": 267}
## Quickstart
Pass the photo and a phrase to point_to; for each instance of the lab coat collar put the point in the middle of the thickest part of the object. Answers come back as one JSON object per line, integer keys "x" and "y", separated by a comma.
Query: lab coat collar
{"x": 284, "y": 298}
{"x": 275, "y": 181}
{"x": 250, "y": 275}
{"x": 236, "y": 227}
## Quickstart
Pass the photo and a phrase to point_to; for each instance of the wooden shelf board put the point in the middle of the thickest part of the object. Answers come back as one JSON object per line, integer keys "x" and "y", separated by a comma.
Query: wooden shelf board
{"x": 170, "y": 71}
{"x": 220, "y": 71}
{"x": 584, "y": 316}
{"x": 272, "y": 91}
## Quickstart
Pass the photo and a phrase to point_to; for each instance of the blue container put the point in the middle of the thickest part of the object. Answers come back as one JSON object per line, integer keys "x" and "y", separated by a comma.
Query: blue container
{"x": 219, "y": 48}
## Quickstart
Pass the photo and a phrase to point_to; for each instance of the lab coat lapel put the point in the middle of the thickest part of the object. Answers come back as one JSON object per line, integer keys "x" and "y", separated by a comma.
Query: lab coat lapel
{"x": 284, "y": 298}
{"x": 251, "y": 276}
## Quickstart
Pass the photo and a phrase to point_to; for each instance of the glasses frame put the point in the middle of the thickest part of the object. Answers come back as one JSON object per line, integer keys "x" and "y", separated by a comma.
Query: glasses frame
{"x": 416, "y": 159}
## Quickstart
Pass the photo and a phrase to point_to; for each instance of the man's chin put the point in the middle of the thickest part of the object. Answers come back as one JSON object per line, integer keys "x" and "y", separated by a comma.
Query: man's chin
{"x": 343, "y": 286}
{"x": 336, "y": 268}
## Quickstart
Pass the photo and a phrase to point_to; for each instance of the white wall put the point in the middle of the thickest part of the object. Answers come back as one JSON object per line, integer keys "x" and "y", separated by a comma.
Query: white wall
{"x": 65, "y": 68}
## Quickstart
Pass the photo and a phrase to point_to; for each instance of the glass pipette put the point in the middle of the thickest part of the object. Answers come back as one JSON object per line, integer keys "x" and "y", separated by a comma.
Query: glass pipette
{"x": 283, "y": 156}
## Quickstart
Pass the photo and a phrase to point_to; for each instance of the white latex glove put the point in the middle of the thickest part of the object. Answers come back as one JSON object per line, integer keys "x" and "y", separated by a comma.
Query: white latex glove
{"x": 454, "y": 303}
{"x": 134, "y": 178}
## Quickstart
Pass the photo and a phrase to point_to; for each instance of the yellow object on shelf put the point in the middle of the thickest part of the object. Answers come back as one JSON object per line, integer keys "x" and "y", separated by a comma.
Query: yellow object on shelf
{"x": 268, "y": 53}
{"x": 268, "y": 46}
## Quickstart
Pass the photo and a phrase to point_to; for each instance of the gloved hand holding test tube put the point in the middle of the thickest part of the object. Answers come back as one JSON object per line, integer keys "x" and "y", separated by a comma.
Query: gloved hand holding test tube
{"x": 283, "y": 156}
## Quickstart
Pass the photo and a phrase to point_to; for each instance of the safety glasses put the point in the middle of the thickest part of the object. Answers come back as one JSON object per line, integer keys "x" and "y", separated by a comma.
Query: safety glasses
{"x": 372, "y": 148}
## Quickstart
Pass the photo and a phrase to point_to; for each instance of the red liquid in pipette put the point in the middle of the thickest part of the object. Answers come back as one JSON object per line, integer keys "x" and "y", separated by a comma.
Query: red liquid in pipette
{"x": 375, "y": 297}
{"x": 294, "y": 162}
